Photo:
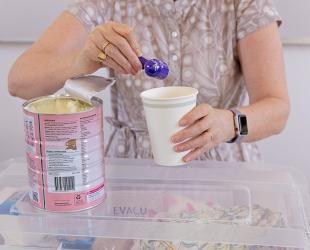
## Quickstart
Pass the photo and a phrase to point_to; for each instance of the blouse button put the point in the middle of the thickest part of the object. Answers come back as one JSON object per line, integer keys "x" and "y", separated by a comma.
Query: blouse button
{"x": 174, "y": 57}
{"x": 174, "y": 34}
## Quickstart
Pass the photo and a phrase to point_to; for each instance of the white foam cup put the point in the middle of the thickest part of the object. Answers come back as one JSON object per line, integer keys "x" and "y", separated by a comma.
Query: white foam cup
{"x": 164, "y": 107}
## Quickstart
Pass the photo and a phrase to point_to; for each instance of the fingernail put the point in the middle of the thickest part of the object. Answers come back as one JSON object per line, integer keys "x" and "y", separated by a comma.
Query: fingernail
{"x": 138, "y": 52}
{"x": 176, "y": 148}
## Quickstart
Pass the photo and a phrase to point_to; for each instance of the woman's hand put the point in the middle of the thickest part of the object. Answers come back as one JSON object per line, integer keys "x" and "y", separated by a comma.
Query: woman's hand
{"x": 118, "y": 42}
{"x": 206, "y": 127}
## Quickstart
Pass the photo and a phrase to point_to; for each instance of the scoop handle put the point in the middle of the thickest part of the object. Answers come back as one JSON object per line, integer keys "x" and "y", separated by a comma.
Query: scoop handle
{"x": 143, "y": 61}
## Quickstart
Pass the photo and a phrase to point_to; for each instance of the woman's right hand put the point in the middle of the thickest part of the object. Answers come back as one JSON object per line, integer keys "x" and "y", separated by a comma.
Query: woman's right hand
{"x": 122, "y": 50}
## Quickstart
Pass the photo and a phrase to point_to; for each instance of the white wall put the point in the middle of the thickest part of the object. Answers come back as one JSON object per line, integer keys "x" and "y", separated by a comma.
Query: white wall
{"x": 294, "y": 30}
{"x": 289, "y": 148}
{"x": 26, "y": 20}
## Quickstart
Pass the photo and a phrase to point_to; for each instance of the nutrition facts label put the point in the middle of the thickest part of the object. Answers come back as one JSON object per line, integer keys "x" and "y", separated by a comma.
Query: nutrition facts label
{"x": 72, "y": 160}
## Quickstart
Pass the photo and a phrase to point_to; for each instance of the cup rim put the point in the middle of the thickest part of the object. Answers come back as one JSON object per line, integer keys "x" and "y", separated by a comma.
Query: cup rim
{"x": 142, "y": 94}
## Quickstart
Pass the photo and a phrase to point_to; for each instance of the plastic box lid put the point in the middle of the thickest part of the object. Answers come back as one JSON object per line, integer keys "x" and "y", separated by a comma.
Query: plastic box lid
{"x": 203, "y": 205}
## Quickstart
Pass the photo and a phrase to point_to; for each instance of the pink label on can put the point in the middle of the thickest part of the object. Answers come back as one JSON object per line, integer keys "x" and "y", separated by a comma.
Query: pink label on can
{"x": 65, "y": 159}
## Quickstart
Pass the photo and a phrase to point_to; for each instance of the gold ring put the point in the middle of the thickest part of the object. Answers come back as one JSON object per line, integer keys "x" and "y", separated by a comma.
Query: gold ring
{"x": 101, "y": 57}
{"x": 104, "y": 46}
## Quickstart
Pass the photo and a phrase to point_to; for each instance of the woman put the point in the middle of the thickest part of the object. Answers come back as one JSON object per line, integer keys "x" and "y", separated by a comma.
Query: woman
{"x": 227, "y": 49}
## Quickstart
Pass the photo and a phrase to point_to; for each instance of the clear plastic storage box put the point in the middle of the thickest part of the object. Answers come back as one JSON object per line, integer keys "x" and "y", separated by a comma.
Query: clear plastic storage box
{"x": 204, "y": 205}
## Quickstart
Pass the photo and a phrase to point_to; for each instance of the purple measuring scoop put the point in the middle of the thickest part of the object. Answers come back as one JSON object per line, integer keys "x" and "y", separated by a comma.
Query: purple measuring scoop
{"x": 154, "y": 68}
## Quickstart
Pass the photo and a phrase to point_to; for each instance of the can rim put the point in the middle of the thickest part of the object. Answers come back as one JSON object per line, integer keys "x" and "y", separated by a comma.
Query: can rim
{"x": 95, "y": 102}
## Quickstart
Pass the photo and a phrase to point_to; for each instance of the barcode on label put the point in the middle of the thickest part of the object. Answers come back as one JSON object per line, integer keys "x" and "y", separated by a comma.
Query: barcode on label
{"x": 35, "y": 196}
{"x": 64, "y": 183}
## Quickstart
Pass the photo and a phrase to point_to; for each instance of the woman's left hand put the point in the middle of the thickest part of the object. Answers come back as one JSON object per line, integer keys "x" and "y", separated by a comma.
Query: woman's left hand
{"x": 206, "y": 127}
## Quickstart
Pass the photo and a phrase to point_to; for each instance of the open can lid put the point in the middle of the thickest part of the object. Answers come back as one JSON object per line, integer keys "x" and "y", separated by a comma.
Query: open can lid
{"x": 88, "y": 88}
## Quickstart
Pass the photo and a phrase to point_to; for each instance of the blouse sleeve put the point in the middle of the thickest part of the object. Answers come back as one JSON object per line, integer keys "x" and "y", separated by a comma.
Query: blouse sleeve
{"x": 253, "y": 15}
{"x": 90, "y": 12}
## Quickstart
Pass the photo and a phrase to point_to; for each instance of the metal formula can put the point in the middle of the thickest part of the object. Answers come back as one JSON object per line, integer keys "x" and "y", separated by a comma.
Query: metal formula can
{"x": 65, "y": 153}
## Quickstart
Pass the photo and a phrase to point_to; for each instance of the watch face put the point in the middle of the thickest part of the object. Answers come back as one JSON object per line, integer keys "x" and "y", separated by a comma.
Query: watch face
{"x": 243, "y": 125}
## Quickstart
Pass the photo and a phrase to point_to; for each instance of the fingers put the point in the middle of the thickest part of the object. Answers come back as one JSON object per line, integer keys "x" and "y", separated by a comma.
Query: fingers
{"x": 127, "y": 32}
{"x": 204, "y": 140}
{"x": 98, "y": 40}
{"x": 193, "y": 130}
{"x": 194, "y": 115}
{"x": 202, "y": 146}
{"x": 205, "y": 130}
{"x": 118, "y": 57}
{"x": 121, "y": 36}
{"x": 96, "y": 46}
{"x": 92, "y": 51}
{"x": 122, "y": 49}
{"x": 125, "y": 50}
{"x": 194, "y": 154}
{"x": 109, "y": 62}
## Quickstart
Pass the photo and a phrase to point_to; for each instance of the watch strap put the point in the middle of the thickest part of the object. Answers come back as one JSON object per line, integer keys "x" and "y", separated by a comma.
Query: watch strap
{"x": 237, "y": 137}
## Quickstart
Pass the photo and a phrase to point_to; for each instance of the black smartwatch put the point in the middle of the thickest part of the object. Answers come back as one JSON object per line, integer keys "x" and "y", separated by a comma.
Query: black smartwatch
{"x": 241, "y": 126}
